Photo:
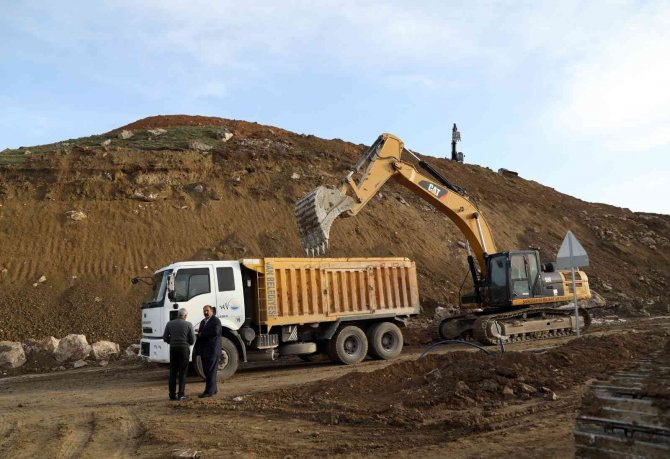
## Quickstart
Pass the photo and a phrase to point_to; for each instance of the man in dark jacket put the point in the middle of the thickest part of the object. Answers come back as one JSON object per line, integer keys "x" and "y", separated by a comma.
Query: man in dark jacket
{"x": 180, "y": 336}
{"x": 208, "y": 347}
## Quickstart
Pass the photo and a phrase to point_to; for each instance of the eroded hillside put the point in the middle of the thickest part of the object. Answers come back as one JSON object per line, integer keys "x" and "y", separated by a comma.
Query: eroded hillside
{"x": 175, "y": 187}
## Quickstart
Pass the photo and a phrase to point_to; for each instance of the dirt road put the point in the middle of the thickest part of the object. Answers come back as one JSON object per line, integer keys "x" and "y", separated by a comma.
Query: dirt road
{"x": 275, "y": 410}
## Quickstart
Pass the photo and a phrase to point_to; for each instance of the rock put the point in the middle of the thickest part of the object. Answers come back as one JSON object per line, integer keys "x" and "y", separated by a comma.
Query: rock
{"x": 295, "y": 176}
{"x": 461, "y": 386}
{"x": 597, "y": 300}
{"x": 239, "y": 398}
{"x": 132, "y": 351}
{"x": 461, "y": 244}
{"x": 151, "y": 197}
{"x": 648, "y": 241}
{"x": 606, "y": 286}
{"x": 79, "y": 364}
{"x": 402, "y": 200}
{"x": 106, "y": 143}
{"x": 103, "y": 363}
{"x": 11, "y": 354}
{"x": 198, "y": 145}
{"x": 507, "y": 390}
{"x": 551, "y": 395}
{"x": 42, "y": 279}
{"x": 527, "y": 389}
{"x": 198, "y": 188}
{"x": 103, "y": 350}
{"x": 156, "y": 132}
{"x": 125, "y": 135}
{"x": 224, "y": 135}
{"x": 4, "y": 271}
{"x": 40, "y": 346}
{"x": 76, "y": 215}
{"x": 72, "y": 347}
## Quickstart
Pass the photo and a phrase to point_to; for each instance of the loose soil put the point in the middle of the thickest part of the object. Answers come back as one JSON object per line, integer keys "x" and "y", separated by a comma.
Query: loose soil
{"x": 449, "y": 403}
{"x": 144, "y": 209}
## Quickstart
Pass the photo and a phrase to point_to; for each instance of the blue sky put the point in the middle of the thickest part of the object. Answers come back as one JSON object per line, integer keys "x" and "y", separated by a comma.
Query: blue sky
{"x": 574, "y": 95}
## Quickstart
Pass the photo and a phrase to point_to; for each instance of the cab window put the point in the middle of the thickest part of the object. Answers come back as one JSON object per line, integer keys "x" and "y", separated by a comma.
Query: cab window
{"x": 190, "y": 283}
{"x": 226, "y": 279}
{"x": 498, "y": 280}
{"x": 519, "y": 276}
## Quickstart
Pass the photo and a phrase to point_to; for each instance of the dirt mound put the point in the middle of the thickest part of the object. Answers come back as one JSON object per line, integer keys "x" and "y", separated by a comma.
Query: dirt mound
{"x": 410, "y": 393}
{"x": 153, "y": 199}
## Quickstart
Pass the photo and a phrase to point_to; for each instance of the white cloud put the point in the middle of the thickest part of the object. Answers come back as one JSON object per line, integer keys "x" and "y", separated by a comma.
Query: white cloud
{"x": 620, "y": 93}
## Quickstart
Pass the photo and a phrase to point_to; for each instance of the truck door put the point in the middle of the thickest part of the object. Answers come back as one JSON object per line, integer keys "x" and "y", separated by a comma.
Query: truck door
{"x": 193, "y": 289}
{"x": 229, "y": 295}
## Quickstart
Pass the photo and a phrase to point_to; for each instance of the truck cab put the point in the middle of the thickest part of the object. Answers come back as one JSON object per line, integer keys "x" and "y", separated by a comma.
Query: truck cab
{"x": 194, "y": 284}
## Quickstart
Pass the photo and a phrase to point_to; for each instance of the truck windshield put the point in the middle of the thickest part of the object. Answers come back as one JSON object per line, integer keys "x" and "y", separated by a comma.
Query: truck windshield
{"x": 157, "y": 292}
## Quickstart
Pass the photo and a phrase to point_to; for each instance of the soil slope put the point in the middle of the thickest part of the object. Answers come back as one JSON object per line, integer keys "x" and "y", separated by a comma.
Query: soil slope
{"x": 163, "y": 195}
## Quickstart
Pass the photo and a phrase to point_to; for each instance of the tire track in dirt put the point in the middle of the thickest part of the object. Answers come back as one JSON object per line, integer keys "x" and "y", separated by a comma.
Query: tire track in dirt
{"x": 76, "y": 436}
{"x": 9, "y": 431}
{"x": 116, "y": 435}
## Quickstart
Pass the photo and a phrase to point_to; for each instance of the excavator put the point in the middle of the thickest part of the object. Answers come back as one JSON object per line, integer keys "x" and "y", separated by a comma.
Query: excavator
{"x": 514, "y": 298}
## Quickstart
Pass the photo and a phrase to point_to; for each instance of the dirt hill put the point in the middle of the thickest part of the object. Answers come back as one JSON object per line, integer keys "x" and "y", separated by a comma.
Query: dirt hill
{"x": 170, "y": 188}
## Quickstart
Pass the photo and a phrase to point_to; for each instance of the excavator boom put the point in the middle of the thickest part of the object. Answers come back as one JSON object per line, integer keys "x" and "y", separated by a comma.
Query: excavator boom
{"x": 316, "y": 211}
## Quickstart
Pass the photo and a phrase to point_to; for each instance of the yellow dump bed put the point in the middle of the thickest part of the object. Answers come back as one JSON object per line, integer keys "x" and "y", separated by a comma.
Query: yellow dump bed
{"x": 309, "y": 290}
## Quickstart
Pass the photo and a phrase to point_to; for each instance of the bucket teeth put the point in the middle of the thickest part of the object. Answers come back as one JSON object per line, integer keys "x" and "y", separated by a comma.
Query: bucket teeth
{"x": 315, "y": 214}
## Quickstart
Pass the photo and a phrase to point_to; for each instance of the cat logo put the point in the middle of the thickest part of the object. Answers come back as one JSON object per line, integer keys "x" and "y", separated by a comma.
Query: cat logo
{"x": 433, "y": 189}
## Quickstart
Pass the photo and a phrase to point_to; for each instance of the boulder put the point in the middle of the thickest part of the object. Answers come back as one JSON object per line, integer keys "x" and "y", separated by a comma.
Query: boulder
{"x": 41, "y": 346}
{"x": 224, "y": 135}
{"x": 125, "y": 135}
{"x": 106, "y": 143}
{"x": 11, "y": 354}
{"x": 72, "y": 347}
{"x": 79, "y": 364}
{"x": 103, "y": 350}
{"x": 132, "y": 351}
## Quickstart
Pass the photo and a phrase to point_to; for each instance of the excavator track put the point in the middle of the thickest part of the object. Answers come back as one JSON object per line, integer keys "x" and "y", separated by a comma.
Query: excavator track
{"x": 626, "y": 416}
{"x": 516, "y": 326}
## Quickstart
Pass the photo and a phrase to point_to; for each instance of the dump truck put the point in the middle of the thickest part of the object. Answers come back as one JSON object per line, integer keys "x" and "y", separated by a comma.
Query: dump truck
{"x": 515, "y": 296}
{"x": 343, "y": 308}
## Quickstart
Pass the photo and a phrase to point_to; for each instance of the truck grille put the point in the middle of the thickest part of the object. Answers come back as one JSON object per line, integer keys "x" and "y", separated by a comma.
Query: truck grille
{"x": 145, "y": 349}
{"x": 148, "y": 330}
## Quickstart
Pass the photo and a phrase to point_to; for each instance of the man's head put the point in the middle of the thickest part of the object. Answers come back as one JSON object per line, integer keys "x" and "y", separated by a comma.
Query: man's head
{"x": 182, "y": 313}
{"x": 207, "y": 311}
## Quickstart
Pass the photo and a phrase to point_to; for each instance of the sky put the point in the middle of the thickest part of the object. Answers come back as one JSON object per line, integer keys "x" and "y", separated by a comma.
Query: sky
{"x": 574, "y": 95}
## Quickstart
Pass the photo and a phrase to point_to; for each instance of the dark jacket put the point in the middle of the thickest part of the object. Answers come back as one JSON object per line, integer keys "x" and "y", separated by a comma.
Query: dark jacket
{"x": 208, "y": 344}
{"x": 179, "y": 333}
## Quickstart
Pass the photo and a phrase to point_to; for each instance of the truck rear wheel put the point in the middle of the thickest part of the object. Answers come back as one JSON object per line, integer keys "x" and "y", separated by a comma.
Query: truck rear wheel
{"x": 349, "y": 345}
{"x": 385, "y": 340}
{"x": 228, "y": 364}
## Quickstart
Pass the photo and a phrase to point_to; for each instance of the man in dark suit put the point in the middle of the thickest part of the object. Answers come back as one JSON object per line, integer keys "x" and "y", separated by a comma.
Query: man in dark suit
{"x": 208, "y": 346}
{"x": 179, "y": 335}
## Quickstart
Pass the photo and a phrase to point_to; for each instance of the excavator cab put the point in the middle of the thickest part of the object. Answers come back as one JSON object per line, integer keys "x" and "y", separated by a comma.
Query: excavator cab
{"x": 512, "y": 276}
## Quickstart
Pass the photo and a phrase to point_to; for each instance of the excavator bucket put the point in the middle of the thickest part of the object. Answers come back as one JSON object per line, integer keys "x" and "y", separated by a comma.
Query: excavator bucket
{"x": 315, "y": 213}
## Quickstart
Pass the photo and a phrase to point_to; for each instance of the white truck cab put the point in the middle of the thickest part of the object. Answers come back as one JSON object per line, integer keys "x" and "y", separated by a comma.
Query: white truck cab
{"x": 194, "y": 284}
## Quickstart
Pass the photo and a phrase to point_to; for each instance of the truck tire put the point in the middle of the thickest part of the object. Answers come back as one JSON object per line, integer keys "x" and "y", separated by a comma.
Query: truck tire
{"x": 385, "y": 340}
{"x": 348, "y": 346}
{"x": 230, "y": 359}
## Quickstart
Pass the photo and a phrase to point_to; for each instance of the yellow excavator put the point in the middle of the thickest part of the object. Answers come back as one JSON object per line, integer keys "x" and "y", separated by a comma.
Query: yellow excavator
{"x": 515, "y": 297}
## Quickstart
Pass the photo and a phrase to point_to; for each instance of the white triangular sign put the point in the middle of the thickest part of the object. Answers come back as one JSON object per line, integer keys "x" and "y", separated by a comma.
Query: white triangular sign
{"x": 571, "y": 254}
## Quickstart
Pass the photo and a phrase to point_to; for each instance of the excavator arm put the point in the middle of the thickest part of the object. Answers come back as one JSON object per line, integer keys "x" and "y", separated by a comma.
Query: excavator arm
{"x": 316, "y": 211}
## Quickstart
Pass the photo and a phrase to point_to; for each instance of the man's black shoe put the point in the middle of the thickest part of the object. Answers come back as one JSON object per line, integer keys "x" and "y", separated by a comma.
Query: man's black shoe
{"x": 173, "y": 397}
{"x": 204, "y": 395}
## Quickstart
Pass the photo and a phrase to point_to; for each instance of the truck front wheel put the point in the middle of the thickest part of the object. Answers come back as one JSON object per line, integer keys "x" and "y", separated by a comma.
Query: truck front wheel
{"x": 228, "y": 364}
{"x": 385, "y": 340}
{"x": 349, "y": 345}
